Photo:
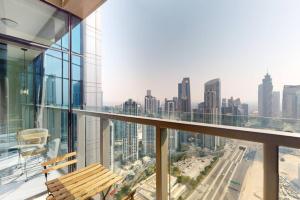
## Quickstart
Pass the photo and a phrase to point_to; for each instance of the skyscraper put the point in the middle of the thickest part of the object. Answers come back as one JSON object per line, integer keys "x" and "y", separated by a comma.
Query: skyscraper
{"x": 170, "y": 107}
{"x": 151, "y": 109}
{"x": 276, "y": 104}
{"x": 169, "y": 113}
{"x": 184, "y": 99}
{"x": 266, "y": 96}
{"x": 260, "y": 99}
{"x": 212, "y": 101}
{"x": 184, "y": 107}
{"x": 151, "y": 104}
{"x": 130, "y": 140}
{"x": 291, "y": 101}
{"x": 212, "y": 110}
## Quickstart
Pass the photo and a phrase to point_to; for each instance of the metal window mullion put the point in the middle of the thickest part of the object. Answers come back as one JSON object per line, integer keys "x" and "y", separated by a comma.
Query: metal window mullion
{"x": 70, "y": 120}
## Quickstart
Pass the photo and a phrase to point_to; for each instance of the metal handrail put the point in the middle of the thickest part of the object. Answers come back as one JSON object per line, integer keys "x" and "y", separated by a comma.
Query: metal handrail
{"x": 264, "y": 136}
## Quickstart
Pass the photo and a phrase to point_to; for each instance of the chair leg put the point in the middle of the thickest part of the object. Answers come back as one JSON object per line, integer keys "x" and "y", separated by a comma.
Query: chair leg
{"x": 25, "y": 168}
{"x": 19, "y": 159}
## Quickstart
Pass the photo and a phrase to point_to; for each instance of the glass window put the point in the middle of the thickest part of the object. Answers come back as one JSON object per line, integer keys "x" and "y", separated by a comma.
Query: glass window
{"x": 65, "y": 92}
{"x": 76, "y": 67}
{"x": 53, "y": 90}
{"x": 77, "y": 95}
{"x": 53, "y": 63}
{"x": 76, "y": 35}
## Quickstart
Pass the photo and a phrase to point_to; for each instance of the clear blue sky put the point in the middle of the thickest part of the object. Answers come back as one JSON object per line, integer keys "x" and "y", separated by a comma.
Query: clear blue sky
{"x": 154, "y": 44}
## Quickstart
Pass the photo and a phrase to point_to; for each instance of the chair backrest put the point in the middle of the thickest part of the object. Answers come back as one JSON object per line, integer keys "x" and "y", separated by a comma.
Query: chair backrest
{"x": 35, "y": 136}
{"x": 59, "y": 162}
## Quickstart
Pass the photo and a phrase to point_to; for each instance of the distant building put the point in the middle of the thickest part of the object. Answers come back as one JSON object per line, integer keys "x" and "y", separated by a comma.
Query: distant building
{"x": 169, "y": 113}
{"x": 291, "y": 101}
{"x": 184, "y": 110}
{"x": 224, "y": 102}
{"x": 151, "y": 105}
{"x": 260, "y": 99}
{"x": 151, "y": 109}
{"x": 175, "y": 99}
{"x": 198, "y": 113}
{"x": 265, "y": 96}
{"x": 234, "y": 113}
{"x": 129, "y": 136}
{"x": 245, "y": 108}
{"x": 170, "y": 109}
{"x": 276, "y": 104}
{"x": 212, "y": 110}
{"x": 198, "y": 116}
{"x": 184, "y": 99}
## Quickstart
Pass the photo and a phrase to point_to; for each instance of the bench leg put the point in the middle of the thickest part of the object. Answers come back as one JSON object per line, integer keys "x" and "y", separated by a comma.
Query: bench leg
{"x": 104, "y": 195}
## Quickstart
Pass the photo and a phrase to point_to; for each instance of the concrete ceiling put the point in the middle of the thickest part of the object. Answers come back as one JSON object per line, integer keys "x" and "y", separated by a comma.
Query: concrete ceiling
{"x": 80, "y": 8}
{"x": 36, "y": 21}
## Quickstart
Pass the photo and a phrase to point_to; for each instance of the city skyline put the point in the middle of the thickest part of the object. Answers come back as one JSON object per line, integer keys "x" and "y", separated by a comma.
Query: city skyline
{"x": 160, "y": 45}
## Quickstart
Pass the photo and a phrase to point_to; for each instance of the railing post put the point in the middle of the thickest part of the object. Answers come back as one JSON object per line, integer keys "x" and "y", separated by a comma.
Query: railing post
{"x": 161, "y": 163}
{"x": 271, "y": 175}
{"x": 81, "y": 138}
{"x": 104, "y": 142}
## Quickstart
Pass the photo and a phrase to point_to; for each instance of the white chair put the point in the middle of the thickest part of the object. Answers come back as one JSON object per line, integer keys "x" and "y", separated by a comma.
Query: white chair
{"x": 31, "y": 142}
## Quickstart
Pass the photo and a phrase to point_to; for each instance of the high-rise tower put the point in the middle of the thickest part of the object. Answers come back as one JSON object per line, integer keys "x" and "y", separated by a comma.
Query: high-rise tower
{"x": 267, "y": 94}
{"x": 151, "y": 107}
{"x": 291, "y": 101}
{"x": 276, "y": 104}
{"x": 184, "y": 99}
{"x": 212, "y": 111}
{"x": 130, "y": 140}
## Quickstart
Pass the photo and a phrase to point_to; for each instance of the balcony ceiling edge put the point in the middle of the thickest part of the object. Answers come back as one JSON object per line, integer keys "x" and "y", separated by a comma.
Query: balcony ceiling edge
{"x": 80, "y": 8}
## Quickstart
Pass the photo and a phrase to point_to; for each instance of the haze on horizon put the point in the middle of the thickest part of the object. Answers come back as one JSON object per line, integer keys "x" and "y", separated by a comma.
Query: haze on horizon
{"x": 154, "y": 44}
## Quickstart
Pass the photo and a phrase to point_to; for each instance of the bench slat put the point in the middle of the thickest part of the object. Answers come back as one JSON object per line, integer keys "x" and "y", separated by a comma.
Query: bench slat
{"x": 82, "y": 170}
{"x": 81, "y": 189}
{"x": 76, "y": 182}
{"x": 62, "y": 165}
{"x": 101, "y": 188}
{"x": 58, "y": 159}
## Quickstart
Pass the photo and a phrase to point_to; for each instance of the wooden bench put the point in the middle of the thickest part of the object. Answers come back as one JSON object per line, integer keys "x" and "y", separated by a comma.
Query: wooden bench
{"x": 80, "y": 184}
{"x": 130, "y": 196}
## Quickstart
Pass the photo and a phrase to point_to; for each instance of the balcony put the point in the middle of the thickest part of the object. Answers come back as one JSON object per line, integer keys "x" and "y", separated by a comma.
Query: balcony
{"x": 157, "y": 175}
{"x": 51, "y": 87}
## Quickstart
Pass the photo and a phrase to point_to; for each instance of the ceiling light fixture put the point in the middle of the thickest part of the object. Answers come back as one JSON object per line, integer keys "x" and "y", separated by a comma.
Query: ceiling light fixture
{"x": 9, "y": 22}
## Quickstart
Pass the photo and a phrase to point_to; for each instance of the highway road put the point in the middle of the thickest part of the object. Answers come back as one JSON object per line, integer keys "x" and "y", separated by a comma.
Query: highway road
{"x": 235, "y": 186}
{"x": 232, "y": 166}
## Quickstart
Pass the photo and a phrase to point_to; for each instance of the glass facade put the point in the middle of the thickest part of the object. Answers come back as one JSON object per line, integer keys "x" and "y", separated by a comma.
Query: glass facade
{"x": 41, "y": 76}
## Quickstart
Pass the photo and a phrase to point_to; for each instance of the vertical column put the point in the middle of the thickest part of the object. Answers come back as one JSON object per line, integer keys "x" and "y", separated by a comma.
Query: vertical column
{"x": 104, "y": 142}
{"x": 271, "y": 175}
{"x": 70, "y": 119}
{"x": 81, "y": 138}
{"x": 161, "y": 163}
